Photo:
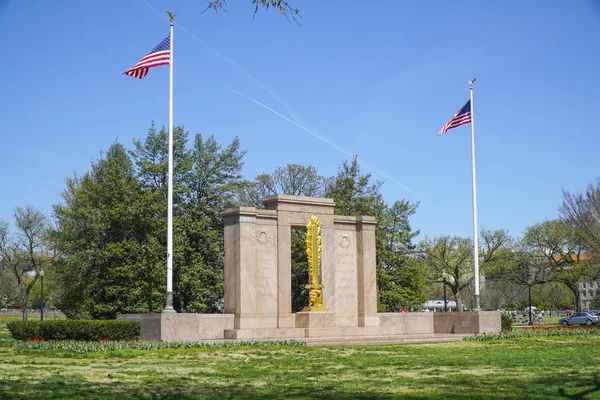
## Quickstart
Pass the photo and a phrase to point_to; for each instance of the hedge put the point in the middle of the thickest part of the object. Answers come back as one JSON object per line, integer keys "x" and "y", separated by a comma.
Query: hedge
{"x": 75, "y": 330}
{"x": 506, "y": 322}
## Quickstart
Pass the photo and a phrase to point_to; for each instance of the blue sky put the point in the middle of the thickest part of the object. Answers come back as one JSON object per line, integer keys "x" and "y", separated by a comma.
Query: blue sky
{"x": 375, "y": 78}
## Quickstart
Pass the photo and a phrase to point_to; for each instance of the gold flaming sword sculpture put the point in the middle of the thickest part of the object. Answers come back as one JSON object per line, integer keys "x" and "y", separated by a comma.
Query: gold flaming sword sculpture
{"x": 313, "y": 251}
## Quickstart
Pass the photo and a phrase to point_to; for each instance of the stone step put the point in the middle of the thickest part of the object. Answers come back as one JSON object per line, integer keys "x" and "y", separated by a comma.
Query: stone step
{"x": 302, "y": 333}
{"x": 265, "y": 333}
{"x": 383, "y": 339}
{"x": 336, "y": 336}
{"x": 343, "y": 331}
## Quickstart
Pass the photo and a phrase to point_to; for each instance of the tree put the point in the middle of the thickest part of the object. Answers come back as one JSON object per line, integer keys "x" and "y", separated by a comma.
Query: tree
{"x": 288, "y": 11}
{"x": 501, "y": 294}
{"x": 206, "y": 179}
{"x": 596, "y": 302}
{"x": 582, "y": 212}
{"x": 105, "y": 237}
{"x": 353, "y": 192}
{"x": 22, "y": 252}
{"x": 400, "y": 279}
{"x": 211, "y": 183}
{"x": 293, "y": 179}
{"x": 554, "y": 295}
{"x": 8, "y": 285}
{"x": 450, "y": 257}
{"x": 112, "y": 227}
{"x": 555, "y": 244}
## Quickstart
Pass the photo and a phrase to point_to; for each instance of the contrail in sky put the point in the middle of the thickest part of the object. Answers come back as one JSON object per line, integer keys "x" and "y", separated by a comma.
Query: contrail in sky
{"x": 226, "y": 59}
{"x": 336, "y": 146}
{"x": 293, "y": 120}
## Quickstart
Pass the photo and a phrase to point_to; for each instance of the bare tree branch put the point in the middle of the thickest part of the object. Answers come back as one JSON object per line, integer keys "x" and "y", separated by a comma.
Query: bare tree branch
{"x": 292, "y": 14}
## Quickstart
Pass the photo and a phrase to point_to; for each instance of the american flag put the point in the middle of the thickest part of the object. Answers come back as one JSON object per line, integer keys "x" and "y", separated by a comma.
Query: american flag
{"x": 462, "y": 116}
{"x": 160, "y": 55}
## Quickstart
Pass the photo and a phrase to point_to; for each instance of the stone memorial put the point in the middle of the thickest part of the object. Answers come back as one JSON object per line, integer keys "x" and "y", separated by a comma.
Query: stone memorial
{"x": 258, "y": 289}
{"x": 342, "y": 301}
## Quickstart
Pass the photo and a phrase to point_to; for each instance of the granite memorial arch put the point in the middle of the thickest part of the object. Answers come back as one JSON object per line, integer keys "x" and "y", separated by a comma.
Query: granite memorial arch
{"x": 258, "y": 266}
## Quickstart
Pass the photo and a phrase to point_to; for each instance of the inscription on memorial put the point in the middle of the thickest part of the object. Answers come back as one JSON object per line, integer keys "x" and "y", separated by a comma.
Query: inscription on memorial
{"x": 345, "y": 266}
{"x": 265, "y": 271}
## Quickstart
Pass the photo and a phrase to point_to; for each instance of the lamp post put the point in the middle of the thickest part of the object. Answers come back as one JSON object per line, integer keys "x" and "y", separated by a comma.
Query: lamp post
{"x": 444, "y": 276}
{"x": 41, "y": 273}
{"x": 529, "y": 286}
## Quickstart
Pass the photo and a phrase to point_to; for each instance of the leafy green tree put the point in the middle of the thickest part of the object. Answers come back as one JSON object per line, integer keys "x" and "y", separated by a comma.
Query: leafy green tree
{"x": 104, "y": 235}
{"x": 553, "y": 295}
{"x": 450, "y": 257}
{"x": 299, "y": 270}
{"x": 205, "y": 182}
{"x": 556, "y": 245}
{"x": 399, "y": 278}
{"x": 112, "y": 223}
{"x": 24, "y": 250}
{"x": 353, "y": 192}
{"x": 212, "y": 181}
{"x": 8, "y": 286}
{"x": 596, "y": 302}
{"x": 501, "y": 294}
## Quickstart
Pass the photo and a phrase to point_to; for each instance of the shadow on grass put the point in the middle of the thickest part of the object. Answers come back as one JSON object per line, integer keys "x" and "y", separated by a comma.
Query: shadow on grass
{"x": 73, "y": 386}
{"x": 127, "y": 392}
{"x": 579, "y": 393}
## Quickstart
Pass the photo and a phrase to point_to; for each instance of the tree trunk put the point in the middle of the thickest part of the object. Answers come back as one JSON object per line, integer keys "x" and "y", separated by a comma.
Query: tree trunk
{"x": 577, "y": 300}
{"x": 25, "y": 297}
{"x": 575, "y": 290}
{"x": 459, "y": 304}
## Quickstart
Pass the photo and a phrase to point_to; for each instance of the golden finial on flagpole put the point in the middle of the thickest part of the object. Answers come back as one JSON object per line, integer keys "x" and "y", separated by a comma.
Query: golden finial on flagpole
{"x": 171, "y": 16}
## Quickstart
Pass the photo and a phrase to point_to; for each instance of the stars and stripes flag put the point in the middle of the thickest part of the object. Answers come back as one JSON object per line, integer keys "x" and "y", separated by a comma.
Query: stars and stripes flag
{"x": 462, "y": 116}
{"x": 160, "y": 55}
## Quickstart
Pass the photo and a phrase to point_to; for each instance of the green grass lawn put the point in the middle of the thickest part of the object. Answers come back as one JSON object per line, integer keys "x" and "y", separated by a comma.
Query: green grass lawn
{"x": 533, "y": 368}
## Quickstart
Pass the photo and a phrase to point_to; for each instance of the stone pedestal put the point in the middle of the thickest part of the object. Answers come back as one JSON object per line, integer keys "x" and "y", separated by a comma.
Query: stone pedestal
{"x": 392, "y": 327}
{"x": 181, "y": 327}
{"x": 466, "y": 322}
{"x": 315, "y": 319}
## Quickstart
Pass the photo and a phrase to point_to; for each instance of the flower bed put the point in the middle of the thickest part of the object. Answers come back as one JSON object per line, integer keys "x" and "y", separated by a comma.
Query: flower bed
{"x": 536, "y": 331}
{"x": 105, "y": 345}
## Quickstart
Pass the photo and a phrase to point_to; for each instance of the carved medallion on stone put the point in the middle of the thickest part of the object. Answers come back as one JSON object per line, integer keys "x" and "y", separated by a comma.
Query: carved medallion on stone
{"x": 263, "y": 237}
{"x": 344, "y": 241}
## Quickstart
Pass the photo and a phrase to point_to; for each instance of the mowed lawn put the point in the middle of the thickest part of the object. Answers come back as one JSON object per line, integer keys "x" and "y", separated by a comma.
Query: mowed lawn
{"x": 538, "y": 368}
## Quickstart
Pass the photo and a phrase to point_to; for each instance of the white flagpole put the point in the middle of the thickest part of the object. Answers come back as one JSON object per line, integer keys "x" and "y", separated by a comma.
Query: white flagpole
{"x": 475, "y": 233}
{"x": 169, "y": 306}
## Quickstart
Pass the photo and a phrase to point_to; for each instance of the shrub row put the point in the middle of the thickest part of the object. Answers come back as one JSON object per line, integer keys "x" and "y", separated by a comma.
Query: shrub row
{"x": 112, "y": 345}
{"x": 506, "y": 322}
{"x": 91, "y": 330}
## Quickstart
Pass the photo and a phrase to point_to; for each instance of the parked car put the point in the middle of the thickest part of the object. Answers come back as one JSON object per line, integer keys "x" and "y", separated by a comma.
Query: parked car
{"x": 580, "y": 318}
